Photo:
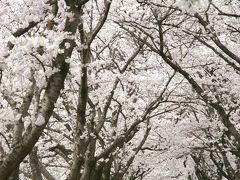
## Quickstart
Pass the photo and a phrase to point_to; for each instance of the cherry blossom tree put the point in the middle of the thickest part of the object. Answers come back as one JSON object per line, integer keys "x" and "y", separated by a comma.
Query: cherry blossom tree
{"x": 130, "y": 89}
{"x": 198, "y": 39}
{"x": 72, "y": 103}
